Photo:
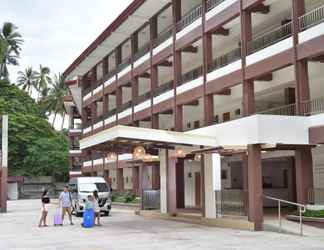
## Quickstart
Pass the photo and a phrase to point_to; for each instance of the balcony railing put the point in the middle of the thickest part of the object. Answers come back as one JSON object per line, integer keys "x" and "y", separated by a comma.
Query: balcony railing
{"x": 264, "y": 40}
{"x": 163, "y": 36}
{"x": 224, "y": 60}
{"x": 191, "y": 75}
{"x": 86, "y": 91}
{"x": 143, "y": 97}
{"x": 163, "y": 88}
{"x": 311, "y": 107}
{"x": 311, "y": 18}
{"x": 124, "y": 106}
{"x": 211, "y": 4}
{"x": 231, "y": 202}
{"x": 190, "y": 17}
{"x": 142, "y": 51}
{"x": 110, "y": 113}
{"x": 126, "y": 62}
{"x": 151, "y": 199}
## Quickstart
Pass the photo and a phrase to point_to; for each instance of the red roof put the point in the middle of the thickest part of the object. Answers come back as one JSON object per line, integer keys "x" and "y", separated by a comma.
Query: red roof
{"x": 106, "y": 33}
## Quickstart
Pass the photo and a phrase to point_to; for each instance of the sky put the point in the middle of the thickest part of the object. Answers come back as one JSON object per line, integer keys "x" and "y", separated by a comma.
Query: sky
{"x": 56, "y": 32}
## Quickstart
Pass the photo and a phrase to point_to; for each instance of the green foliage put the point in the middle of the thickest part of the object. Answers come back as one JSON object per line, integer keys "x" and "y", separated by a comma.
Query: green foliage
{"x": 35, "y": 148}
{"x": 314, "y": 213}
{"x": 124, "y": 197}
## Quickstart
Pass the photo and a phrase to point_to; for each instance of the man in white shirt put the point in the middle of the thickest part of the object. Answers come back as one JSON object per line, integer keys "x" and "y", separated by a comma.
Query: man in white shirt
{"x": 65, "y": 200}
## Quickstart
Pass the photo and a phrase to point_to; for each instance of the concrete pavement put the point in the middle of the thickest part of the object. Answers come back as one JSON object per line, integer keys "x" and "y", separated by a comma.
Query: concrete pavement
{"x": 124, "y": 230}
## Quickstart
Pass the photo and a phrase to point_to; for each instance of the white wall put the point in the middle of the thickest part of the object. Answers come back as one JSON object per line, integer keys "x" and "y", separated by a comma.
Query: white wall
{"x": 127, "y": 174}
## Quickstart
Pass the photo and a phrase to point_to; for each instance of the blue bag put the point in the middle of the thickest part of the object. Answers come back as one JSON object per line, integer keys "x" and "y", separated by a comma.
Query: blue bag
{"x": 88, "y": 218}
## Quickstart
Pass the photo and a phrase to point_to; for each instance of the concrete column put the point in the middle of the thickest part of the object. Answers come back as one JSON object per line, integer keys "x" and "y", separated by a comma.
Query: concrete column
{"x": 120, "y": 179}
{"x": 163, "y": 180}
{"x": 178, "y": 123}
{"x": 156, "y": 177}
{"x": 3, "y": 189}
{"x": 180, "y": 195}
{"x": 255, "y": 187}
{"x": 141, "y": 185}
{"x": 210, "y": 199}
{"x": 135, "y": 178}
{"x": 202, "y": 183}
{"x": 304, "y": 174}
{"x": 171, "y": 185}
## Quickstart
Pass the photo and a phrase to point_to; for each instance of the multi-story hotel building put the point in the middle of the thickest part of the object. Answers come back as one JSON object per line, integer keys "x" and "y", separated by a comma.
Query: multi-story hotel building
{"x": 224, "y": 97}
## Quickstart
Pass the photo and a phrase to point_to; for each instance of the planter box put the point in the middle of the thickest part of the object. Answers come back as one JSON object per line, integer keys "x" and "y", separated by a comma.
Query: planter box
{"x": 306, "y": 219}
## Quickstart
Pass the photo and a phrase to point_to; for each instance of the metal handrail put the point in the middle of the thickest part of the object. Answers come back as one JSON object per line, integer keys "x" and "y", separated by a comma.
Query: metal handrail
{"x": 163, "y": 36}
{"x": 289, "y": 110}
{"x": 225, "y": 59}
{"x": 191, "y": 75}
{"x": 301, "y": 207}
{"x": 163, "y": 88}
{"x": 190, "y": 17}
{"x": 311, "y": 18}
{"x": 142, "y": 98}
{"x": 313, "y": 107}
{"x": 142, "y": 51}
{"x": 211, "y": 4}
{"x": 271, "y": 37}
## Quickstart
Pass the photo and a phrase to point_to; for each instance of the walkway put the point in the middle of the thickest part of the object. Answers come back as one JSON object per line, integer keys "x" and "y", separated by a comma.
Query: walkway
{"x": 124, "y": 230}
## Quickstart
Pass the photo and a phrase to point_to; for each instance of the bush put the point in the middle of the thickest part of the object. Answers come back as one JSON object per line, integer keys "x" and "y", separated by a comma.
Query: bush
{"x": 314, "y": 213}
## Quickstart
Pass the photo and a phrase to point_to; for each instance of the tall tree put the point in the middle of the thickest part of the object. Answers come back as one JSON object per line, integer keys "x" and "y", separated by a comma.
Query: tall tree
{"x": 43, "y": 82}
{"x": 56, "y": 97}
{"x": 12, "y": 40}
{"x": 28, "y": 79}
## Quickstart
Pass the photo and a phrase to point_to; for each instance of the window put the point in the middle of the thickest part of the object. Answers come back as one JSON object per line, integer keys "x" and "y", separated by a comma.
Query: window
{"x": 224, "y": 175}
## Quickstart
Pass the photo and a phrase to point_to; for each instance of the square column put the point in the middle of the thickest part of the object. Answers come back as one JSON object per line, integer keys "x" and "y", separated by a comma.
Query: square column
{"x": 304, "y": 174}
{"x": 163, "y": 181}
{"x": 156, "y": 177}
{"x": 180, "y": 183}
{"x": 171, "y": 184}
{"x": 255, "y": 187}
{"x": 135, "y": 178}
{"x": 120, "y": 179}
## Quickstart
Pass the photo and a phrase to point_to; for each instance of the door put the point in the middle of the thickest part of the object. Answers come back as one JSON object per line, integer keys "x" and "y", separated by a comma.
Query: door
{"x": 197, "y": 189}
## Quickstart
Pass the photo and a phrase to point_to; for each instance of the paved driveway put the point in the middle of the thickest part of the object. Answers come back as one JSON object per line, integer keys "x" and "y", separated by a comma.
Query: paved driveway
{"x": 124, "y": 230}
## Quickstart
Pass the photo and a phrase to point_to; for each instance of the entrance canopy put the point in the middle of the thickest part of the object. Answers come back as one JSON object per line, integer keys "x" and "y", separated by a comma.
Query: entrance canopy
{"x": 153, "y": 136}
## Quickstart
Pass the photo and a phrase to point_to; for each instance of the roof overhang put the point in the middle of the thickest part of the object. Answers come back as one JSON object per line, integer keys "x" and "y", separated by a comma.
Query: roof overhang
{"x": 154, "y": 136}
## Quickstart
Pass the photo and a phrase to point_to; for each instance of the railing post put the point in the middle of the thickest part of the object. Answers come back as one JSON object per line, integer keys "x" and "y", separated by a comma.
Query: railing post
{"x": 301, "y": 221}
{"x": 279, "y": 214}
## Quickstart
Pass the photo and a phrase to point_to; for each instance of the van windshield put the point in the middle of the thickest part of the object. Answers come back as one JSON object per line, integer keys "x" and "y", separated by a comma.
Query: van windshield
{"x": 90, "y": 187}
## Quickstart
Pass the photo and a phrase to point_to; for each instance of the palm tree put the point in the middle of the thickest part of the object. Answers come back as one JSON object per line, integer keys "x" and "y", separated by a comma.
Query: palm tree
{"x": 3, "y": 48}
{"x": 13, "y": 41}
{"x": 56, "y": 98}
{"x": 28, "y": 80}
{"x": 43, "y": 82}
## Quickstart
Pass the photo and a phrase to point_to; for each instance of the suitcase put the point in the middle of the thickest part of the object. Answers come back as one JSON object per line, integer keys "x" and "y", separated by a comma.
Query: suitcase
{"x": 88, "y": 218}
{"x": 58, "y": 218}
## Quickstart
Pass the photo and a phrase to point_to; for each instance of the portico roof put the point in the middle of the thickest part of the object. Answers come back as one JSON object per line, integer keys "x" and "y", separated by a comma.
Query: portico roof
{"x": 126, "y": 133}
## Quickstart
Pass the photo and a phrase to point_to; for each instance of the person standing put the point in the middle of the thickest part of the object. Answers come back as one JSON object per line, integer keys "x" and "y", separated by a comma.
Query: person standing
{"x": 45, "y": 201}
{"x": 96, "y": 206}
{"x": 65, "y": 200}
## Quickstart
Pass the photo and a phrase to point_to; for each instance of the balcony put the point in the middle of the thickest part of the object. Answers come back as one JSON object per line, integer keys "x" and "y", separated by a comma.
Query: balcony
{"x": 269, "y": 38}
{"x": 163, "y": 88}
{"x": 143, "y": 97}
{"x": 163, "y": 36}
{"x": 308, "y": 108}
{"x": 211, "y": 4}
{"x": 190, "y": 17}
{"x": 311, "y": 18}
{"x": 191, "y": 75}
{"x": 142, "y": 51}
{"x": 224, "y": 60}
{"x": 125, "y": 106}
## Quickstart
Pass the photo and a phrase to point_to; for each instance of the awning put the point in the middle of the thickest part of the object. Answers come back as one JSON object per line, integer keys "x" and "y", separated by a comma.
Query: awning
{"x": 137, "y": 135}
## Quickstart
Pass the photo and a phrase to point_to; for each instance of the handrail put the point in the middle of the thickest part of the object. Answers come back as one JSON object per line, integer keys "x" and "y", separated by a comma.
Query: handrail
{"x": 225, "y": 59}
{"x": 268, "y": 38}
{"x": 189, "y": 17}
{"x": 163, "y": 36}
{"x": 142, "y": 51}
{"x": 311, "y": 18}
{"x": 302, "y": 209}
{"x": 211, "y": 4}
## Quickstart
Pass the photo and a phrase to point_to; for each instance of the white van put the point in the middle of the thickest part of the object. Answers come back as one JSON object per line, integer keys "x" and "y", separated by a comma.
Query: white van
{"x": 81, "y": 187}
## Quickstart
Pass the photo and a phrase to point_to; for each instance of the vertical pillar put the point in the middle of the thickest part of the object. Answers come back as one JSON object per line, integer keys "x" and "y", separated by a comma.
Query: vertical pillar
{"x": 4, "y": 166}
{"x": 105, "y": 65}
{"x": 134, "y": 97}
{"x": 211, "y": 171}
{"x": 291, "y": 179}
{"x": 156, "y": 177}
{"x": 93, "y": 112}
{"x": 202, "y": 183}
{"x": 119, "y": 97}
{"x": 245, "y": 181}
{"x": 163, "y": 181}
{"x": 304, "y": 174}
{"x": 180, "y": 183}
{"x": 135, "y": 178}
{"x": 120, "y": 179}
{"x": 248, "y": 85}
{"x": 178, "y": 118}
{"x": 105, "y": 104}
{"x": 208, "y": 58}
{"x": 255, "y": 187}
{"x": 141, "y": 185}
{"x": 171, "y": 185}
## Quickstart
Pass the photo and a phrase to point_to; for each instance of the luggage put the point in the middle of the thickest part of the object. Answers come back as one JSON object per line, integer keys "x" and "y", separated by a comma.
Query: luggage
{"x": 88, "y": 218}
{"x": 58, "y": 218}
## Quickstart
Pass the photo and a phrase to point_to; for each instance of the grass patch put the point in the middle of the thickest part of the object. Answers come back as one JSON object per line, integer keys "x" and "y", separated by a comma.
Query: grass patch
{"x": 314, "y": 213}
